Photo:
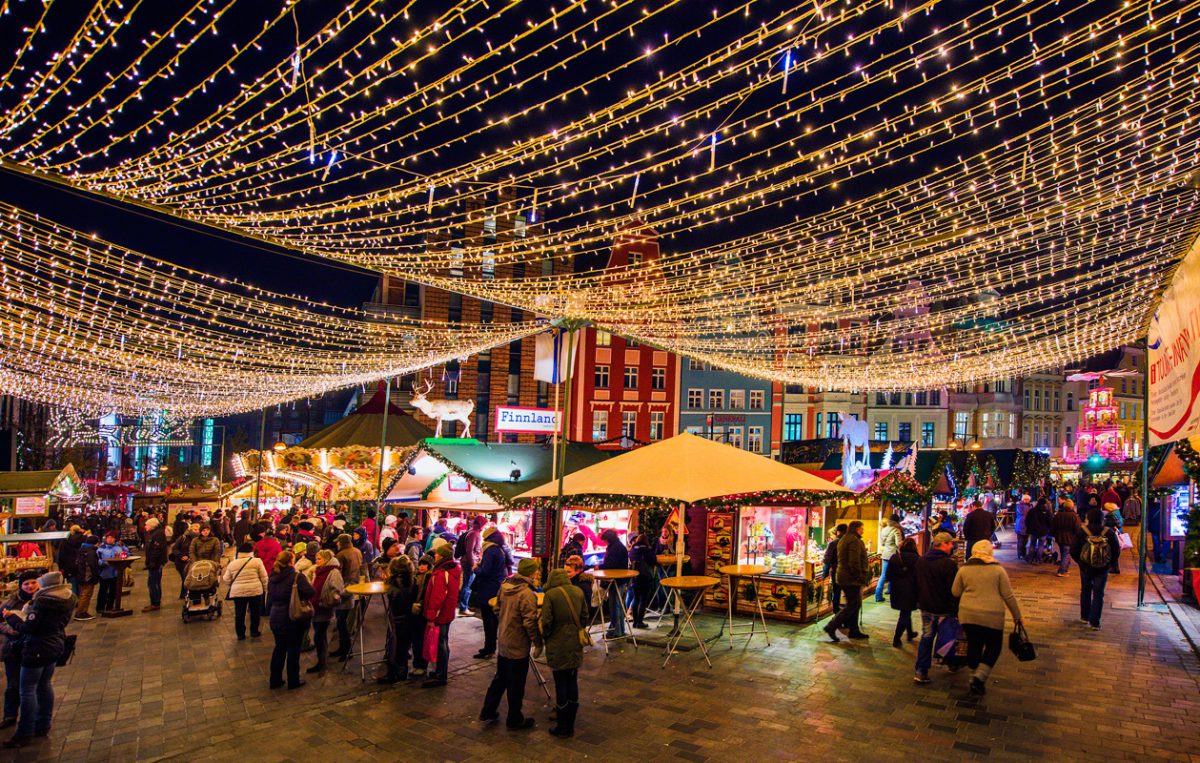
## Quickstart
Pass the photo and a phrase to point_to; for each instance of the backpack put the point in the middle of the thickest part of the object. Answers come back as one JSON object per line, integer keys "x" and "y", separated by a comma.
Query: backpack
{"x": 1095, "y": 552}
{"x": 460, "y": 546}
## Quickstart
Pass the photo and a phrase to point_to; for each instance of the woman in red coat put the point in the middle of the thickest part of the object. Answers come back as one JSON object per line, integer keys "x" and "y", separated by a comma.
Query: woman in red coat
{"x": 439, "y": 607}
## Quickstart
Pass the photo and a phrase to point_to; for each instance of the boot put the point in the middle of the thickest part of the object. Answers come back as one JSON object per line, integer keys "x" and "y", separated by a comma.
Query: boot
{"x": 565, "y": 726}
{"x": 896, "y": 638}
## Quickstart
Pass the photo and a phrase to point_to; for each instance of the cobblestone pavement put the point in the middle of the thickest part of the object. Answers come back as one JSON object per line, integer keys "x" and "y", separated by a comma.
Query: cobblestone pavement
{"x": 150, "y": 687}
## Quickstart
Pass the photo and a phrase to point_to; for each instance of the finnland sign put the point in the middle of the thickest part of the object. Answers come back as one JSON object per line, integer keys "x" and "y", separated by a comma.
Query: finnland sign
{"x": 526, "y": 420}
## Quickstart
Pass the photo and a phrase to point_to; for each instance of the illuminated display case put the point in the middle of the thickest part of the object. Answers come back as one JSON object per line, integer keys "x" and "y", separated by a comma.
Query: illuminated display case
{"x": 785, "y": 538}
{"x": 591, "y": 524}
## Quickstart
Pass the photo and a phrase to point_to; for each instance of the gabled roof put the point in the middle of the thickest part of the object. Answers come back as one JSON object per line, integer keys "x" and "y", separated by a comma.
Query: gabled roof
{"x": 63, "y": 482}
{"x": 365, "y": 426}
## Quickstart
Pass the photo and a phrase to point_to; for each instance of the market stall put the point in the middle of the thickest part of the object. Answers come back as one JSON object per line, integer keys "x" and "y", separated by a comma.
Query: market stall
{"x": 28, "y": 500}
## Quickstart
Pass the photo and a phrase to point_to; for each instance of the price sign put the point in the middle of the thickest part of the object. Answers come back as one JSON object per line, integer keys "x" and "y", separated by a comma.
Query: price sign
{"x": 30, "y": 506}
{"x": 543, "y": 527}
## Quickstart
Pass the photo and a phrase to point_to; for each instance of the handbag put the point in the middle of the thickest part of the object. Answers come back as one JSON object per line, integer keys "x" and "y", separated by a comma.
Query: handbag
{"x": 1020, "y": 645}
{"x": 585, "y": 636}
{"x": 298, "y": 608}
{"x": 429, "y": 647}
{"x": 1124, "y": 541}
{"x": 68, "y": 650}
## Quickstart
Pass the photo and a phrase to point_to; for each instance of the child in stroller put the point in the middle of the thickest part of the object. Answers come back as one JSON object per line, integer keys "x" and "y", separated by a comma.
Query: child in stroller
{"x": 201, "y": 586}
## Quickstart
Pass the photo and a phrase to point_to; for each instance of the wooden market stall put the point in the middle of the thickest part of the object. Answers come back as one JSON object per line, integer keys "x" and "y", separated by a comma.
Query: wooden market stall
{"x": 28, "y": 500}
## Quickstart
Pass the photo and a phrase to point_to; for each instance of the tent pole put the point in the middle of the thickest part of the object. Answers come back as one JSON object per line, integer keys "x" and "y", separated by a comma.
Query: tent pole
{"x": 262, "y": 438}
{"x": 556, "y": 520}
{"x": 1141, "y": 590}
{"x": 680, "y": 548}
{"x": 387, "y": 409}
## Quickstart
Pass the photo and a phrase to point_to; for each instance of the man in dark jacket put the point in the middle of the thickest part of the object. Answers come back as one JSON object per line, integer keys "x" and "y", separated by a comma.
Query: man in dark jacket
{"x": 491, "y": 572}
{"x": 68, "y": 556}
{"x": 519, "y": 633}
{"x": 616, "y": 557}
{"x": 1038, "y": 524}
{"x": 42, "y": 630}
{"x": 852, "y": 575}
{"x": 467, "y": 550}
{"x": 1065, "y": 526}
{"x": 87, "y": 572}
{"x": 1094, "y": 549}
{"x": 830, "y": 560}
{"x": 935, "y": 579}
{"x": 979, "y": 525}
{"x": 156, "y": 559}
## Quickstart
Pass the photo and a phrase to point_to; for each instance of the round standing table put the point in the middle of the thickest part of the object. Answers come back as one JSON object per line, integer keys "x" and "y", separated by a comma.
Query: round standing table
{"x": 665, "y": 562}
{"x": 677, "y": 585}
{"x": 364, "y": 592}
{"x": 614, "y": 578}
{"x": 754, "y": 572}
{"x": 121, "y": 565}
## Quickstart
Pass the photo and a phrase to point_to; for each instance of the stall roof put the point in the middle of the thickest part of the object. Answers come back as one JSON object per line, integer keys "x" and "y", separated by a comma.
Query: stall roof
{"x": 23, "y": 484}
{"x": 489, "y": 465}
{"x": 364, "y": 427}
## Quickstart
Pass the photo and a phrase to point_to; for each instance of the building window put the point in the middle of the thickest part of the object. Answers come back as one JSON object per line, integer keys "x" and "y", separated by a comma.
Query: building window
{"x": 793, "y": 427}
{"x": 757, "y": 399}
{"x": 631, "y": 377}
{"x": 489, "y": 265}
{"x": 1028, "y": 399}
{"x": 754, "y": 439}
{"x": 657, "y": 424}
{"x": 962, "y": 420}
{"x": 894, "y": 399}
{"x": 819, "y": 418}
{"x": 1070, "y": 401}
{"x": 935, "y": 397}
{"x": 1057, "y": 401}
{"x": 695, "y": 365}
{"x": 906, "y": 431}
{"x": 1070, "y": 437}
{"x": 716, "y": 399}
{"x": 1037, "y": 435}
{"x": 629, "y": 424}
{"x": 922, "y": 398}
{"x": 601, "y": 377}
{"x": 603, "y": 338}
{"x": 658, "y": 378}
{"x": 880, "y": 398}
{"x": 908, "y": 399}
{"x": 695, "y": 398}
{"x": 737, "y": 399}
{"x": 456, "y": 261}
{"x": 599, "y": 426}
{"x": 734, "y": 436}
{"x": 1123, "y": 387}
{"x": 834, "y": 425}
{"x": 1123, "y": 411}
{"x": 927, "y": 434}
{"x": 881, "y": 431}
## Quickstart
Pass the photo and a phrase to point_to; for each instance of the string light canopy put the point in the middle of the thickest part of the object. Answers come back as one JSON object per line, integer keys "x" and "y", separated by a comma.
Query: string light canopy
{"x": 856, "y": 195}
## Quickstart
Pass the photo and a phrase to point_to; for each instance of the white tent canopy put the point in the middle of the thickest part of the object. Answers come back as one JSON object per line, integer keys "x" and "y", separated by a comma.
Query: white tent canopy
{"x": 686, "y": 468}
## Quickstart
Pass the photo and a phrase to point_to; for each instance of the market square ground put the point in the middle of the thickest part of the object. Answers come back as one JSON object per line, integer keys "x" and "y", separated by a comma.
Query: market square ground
{"x": 152, "y": 688}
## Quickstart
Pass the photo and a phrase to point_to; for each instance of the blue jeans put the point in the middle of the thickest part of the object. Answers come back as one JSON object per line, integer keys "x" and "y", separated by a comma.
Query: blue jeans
{"x": 929, "y": 629}
{"x": 882, "y": 581}
{"x": 443, "y": 652}
{"x": 1033, "y": 554}
{"x": 1091, "y": 594}
{"x": 616, "y": 616}
{"x": 154, "y": 586}
{"x": 465, "y": 592}
{"x": 12, "y": 688}
{"x": 1064, "y": 557}
{"x": 37, "y": 700}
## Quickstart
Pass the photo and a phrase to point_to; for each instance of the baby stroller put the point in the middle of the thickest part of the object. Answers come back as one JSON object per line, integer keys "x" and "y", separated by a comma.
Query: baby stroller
{"x": 201, "y": 586}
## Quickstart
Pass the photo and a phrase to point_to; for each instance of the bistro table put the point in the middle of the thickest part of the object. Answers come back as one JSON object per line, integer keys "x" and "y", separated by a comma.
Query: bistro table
{"x": 664, "y": 561}
{"x": 698, "y": 584}
{"x": 364, "y": 592}
{"x": 754, "y": 573}
{"x": 614, "y": 578}
{"x": 121, "y": 564}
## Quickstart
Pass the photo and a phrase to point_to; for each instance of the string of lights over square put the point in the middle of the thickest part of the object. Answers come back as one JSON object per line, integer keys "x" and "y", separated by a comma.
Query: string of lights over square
{"x": 852, "y": 195}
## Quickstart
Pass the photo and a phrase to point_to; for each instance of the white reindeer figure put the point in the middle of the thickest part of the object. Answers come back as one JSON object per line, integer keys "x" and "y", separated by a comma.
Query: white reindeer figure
{"x": 444, "y": 410}
{"x": 854, "y": 436}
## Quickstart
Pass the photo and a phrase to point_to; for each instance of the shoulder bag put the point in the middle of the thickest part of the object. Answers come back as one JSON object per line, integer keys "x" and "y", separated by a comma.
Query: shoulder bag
{"x": 236, "y": 575}
{"x": 585, "y": 637}
{"x": 298, "y": 608}
{"x": 1020, "y": 645}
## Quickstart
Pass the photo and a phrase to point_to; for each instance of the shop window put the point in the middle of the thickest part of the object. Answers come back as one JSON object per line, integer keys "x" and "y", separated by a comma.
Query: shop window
{"x": 631, "y": 377}
{"x": 881, "y": 431}
{"x": 927, "y": 434}
{"x": 754, "y": 439}
{"x": 716, "y": 399}
{"x": 737, "y": 399}
{"x": 599, "y": 426}
{"x": 657, "y": 424}
{"x": 695, "y": 398}
{"x": 658, "y": 378}
{"x": 793, "y": 427}
{"x": 782, "y": 537}
{"x": 601, "y": 377}
{"x": 757, "y": 399}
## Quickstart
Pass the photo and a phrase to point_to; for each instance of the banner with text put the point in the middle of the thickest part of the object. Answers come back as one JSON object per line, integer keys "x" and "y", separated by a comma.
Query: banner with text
{"x": 1174, "y": 356}
{"x": 526, "y": 420}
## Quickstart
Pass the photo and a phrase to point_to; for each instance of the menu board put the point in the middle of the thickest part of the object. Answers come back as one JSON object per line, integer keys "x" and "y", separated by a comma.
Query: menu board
{"x": 542, "y": 543}
{"x": 30, "y": 506}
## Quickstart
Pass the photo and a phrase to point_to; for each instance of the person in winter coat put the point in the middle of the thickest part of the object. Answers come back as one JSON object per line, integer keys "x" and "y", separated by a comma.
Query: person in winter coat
{"x": 328, "y": 594}
{"x": 573, "y": 547}
{"x": 41, "y": 629}
{"x": 10, "y": 652}
{"x": 288, "y": 633}
{"x": 371, "y": 528}
{"x": 979, "y": 525}
{"x": 1064, "y": 527}
{"x": 424, "y": 568}
{"x": 364, "y": 546}
{"x": 581, "y": 579}
{"x": 439, "y": 606}
{"x": 268, "y": 549}
{"x": 830, "y": 561}
{"x": 564, "y": 612}
{"x": 1094, "y": 548}
{"x": 87, "y": 572}
{"x": 983, "y": 593}
{"x": 1038, "y": 524}
{"x": 247, "y": 580}
{"x": 241, "y": 528}
{"x": 110, "y": 575}
{"x": 853, "y": 574}
{"x": 402, "y": 591}
{"x": 305, "y": 565}
{"x": 935, "y": 574}
{"x": 902, "y": 574}
{"x": 155, "y": 559}
{"x": 1019, "y": 512}
{"x": 519, "y": 633}
{"x": 644, "y": 560}
{"x": 350, "y": 563}
{"x": 389, "y": 531}
{"x": 68, "y": 554}
{"x": 890, "y": 539}
{"x": 1114, "y": 520}
{"x": 179, "y": 554}
{"x": 467, "y": 551}
{"x": 491, "y": 572}
{"x": 616, "y": 557}
{"x": 414, "y": 548}
{"x": 205, "y": 545}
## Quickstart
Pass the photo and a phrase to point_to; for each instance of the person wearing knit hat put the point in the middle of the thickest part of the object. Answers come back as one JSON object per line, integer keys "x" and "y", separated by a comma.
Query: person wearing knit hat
{"x": 18, "y": 601}
{"x": 984, "y": 593}
{"x": 155, "y": 558}
{"x": 439, "y": 607}
{"x": 493, "y": 569}
{"x": 41, "y": 628}
{"x": 518, "y": 635}
{"x": 442, "y": 551}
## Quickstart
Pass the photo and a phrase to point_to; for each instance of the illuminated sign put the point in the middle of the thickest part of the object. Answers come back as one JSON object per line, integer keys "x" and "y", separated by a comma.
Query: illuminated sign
{"x": 527, "y": 420}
